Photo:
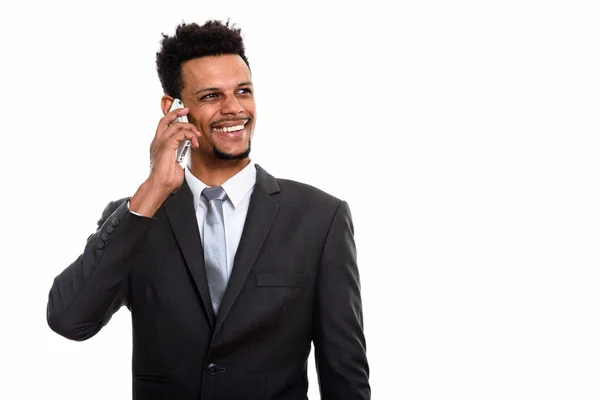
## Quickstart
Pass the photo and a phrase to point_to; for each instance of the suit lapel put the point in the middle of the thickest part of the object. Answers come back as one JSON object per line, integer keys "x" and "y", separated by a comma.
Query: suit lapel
{"x": 261, "y": 213}
{"x": 180, "y": 211}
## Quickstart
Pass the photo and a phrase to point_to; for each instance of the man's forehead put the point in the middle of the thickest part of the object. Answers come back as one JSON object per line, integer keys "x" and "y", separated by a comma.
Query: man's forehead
{"x": 218, "y": 71}
{"x": 216, "y": 64}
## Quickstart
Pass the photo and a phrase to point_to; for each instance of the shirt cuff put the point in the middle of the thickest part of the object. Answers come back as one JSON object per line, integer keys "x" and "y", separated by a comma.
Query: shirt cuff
{"x": 133, "y": 212}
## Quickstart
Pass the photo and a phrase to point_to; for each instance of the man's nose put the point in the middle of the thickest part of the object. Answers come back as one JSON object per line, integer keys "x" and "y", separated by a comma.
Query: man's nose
{"x": 231, "y": 105}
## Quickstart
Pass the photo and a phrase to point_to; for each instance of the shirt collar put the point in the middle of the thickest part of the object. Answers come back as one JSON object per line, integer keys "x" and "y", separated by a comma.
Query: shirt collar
{"x": 236, "y": 187}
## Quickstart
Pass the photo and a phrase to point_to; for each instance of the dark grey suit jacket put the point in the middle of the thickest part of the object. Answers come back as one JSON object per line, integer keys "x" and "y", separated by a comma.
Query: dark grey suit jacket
{"x": 295, "y": 280}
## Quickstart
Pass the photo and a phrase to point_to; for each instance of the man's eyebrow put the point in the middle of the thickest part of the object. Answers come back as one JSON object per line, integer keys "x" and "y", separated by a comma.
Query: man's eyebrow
{"x": 216, "y": 89}
{"x": 210, "y": 89}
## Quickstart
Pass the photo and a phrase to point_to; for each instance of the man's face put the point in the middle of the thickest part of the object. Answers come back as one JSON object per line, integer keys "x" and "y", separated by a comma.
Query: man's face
{"x": 219, "y": 93}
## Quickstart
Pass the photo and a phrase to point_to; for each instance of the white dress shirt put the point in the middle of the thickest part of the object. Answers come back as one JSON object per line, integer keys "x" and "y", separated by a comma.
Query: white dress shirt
{"x": 235, "y": 208}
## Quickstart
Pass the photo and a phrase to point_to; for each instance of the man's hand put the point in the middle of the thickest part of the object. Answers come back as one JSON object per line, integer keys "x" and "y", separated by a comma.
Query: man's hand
{"x": 166, "y": 174}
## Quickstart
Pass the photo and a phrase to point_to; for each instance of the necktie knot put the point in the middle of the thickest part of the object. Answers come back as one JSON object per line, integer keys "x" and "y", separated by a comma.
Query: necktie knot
{"x": 211, "y": 193}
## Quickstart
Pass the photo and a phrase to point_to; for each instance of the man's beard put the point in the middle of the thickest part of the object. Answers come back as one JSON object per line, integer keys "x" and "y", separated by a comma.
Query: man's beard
{"x": 225, "y": 156}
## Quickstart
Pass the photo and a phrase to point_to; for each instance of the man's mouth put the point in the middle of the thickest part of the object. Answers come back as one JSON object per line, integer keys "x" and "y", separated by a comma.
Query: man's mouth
{"x": 230, "y": 127}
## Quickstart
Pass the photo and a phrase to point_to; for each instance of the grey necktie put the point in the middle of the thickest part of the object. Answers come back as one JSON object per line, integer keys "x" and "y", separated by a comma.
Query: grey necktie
{"x": 215, "y": 256}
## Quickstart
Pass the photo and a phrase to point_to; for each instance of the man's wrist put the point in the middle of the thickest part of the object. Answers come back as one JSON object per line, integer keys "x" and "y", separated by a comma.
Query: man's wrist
{"x": 133, "y": 212}
{"x": 147, "y": 200}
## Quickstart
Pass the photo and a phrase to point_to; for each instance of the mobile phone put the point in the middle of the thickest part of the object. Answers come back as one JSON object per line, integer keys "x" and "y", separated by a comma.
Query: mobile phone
{"x": 184, "y": 145}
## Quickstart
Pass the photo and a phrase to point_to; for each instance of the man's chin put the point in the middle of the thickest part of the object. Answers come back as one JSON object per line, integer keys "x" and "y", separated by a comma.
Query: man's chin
{"x": 231, "y": 156}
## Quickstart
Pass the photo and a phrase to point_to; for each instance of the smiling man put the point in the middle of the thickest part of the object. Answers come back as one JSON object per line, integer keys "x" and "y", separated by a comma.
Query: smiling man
{"x": 229, "y": 273}
{"x": 219, "y": 90}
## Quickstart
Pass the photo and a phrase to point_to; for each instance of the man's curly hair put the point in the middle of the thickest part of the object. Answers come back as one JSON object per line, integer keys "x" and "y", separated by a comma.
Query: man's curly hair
{"x": 191, "y": 41}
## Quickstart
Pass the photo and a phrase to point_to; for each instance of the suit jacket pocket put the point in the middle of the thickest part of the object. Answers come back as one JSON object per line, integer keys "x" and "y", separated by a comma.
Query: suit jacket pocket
{"x": 267, "y": 279}
{"x": 153, "y": 377}
{"x": 153, "y": 386}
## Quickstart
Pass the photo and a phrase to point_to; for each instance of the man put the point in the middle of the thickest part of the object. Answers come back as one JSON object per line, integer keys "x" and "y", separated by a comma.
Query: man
{"x": 225, "y": 294}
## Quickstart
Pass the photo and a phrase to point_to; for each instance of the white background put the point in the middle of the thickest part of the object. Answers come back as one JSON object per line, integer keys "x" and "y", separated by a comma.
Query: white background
{"x": 464, "y": 136}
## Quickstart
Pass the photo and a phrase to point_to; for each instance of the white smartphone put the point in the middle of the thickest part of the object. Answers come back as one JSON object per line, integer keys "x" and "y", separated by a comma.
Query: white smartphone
{"x": 185, "y": 144}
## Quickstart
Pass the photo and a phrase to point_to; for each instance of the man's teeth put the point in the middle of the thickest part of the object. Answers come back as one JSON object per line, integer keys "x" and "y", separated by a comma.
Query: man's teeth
{"x": 230, "y": 128}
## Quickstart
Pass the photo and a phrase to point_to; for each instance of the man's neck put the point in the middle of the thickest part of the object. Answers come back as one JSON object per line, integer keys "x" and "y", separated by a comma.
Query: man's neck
{"x": 215, "y": 172}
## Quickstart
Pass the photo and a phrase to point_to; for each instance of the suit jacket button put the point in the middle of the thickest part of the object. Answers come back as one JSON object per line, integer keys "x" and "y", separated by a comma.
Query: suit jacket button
{"x": 211, "y": 369}
{"x": 110, "y": 229}
{"x": 105, "y": 237}
{"x": 115, "y": 221}
{"x": 100, "y": 246}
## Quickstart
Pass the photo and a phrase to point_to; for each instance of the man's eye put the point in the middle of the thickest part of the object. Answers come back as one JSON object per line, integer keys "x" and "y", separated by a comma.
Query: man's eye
{"x": 209, "y": 96}
{"x": 245, "y": 91}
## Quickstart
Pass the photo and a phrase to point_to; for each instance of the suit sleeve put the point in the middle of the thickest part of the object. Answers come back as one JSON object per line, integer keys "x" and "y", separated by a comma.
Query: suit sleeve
{"x": 88, "y": 292}
{"x": 339, "y": 341}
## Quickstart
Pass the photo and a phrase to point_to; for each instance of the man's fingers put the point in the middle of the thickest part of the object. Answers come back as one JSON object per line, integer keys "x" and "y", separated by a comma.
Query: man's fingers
{"x": 179, "y": 135}
{"x": 170, "y": 117}
{"x": 175, "y": 127}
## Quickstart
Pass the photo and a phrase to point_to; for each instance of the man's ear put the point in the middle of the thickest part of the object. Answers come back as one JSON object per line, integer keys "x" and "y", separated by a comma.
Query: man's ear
{"x": 165, "y": 103}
